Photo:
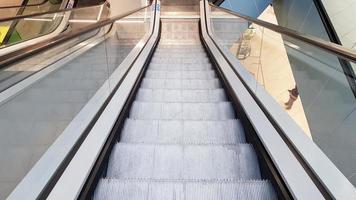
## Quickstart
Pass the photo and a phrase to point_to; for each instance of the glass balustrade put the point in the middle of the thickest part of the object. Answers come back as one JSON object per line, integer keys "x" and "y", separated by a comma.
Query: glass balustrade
{"x": 313, "y": 86}
{"x": 62, "y": 89}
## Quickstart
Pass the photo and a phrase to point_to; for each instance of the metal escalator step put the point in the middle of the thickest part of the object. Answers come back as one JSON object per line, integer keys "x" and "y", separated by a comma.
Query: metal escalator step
{"x": 182, "y": 111}
{"x": 177, "y": 67}
{"x": 206, "y": 74}
{"x": 182, "y": 132}
{"x": 180, "y": 84}
{"x": 183, "y": 162}
{"x": 165, "y": 54}
{"x": 157, "y": 59}
{"x": 110, "y": 189}
{"x": 176, "y": 96}
{"x": 179, "y": 53}
{"x": 188, "y": 47}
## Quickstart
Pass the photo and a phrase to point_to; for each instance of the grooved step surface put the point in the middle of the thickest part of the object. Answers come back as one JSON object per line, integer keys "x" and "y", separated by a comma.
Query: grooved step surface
{"x": 180, "y": 84}
{"x": 182, "y": 132}
{"x": 176, "y": 67}
{"x": 206, "y": 74}
{"x": 181, "y": 140}
{"x": 174, "y": 96}
{"x": 110, "y": 189}
{"x": 167, "y": 53}
{"x": 188, "y": 162}
{"x": 180, "y": 111}
{"x": 180, "y": 60}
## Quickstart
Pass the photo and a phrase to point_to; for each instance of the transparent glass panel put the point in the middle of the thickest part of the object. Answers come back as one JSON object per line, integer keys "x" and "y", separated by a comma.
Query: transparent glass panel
{"x": 342, "y": 15}
{"x": 32, "y": 6}
{"x": 64, "y": 97}
{"x": 310, "y": 84}
{"x": 23, "y": 29}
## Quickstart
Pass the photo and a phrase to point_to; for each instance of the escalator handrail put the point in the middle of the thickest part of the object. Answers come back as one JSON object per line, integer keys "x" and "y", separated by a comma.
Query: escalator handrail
{"x": 28, "y": 51}
{"x": 22, "y": 6}
{"x": 5, "y": 19}
{"x": 333, "y": 48}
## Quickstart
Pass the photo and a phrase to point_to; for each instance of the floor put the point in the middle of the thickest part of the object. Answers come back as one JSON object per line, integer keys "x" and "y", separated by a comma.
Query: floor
{"x": 342, "y": 15}
{"x": 269, "y": 63}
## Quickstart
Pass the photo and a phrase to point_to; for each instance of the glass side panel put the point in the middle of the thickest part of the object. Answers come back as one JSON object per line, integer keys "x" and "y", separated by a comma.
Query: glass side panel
{"x": 63, "y": 98}
{"x": 32, "y": 6}
{"x": 306, "y": 16}
{"x": 342, "y": 15}
{"x": 308, "y": 83}
{"x": 19, "y": 30}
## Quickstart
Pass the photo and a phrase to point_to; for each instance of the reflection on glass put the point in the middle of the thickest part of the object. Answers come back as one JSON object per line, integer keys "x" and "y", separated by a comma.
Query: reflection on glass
{"x": 32, "y": 6}
{"x": 342, "y": 14}
{"x": 54, "y": 106}
{"x": 23, "y": 29}
{"x": 307, "y": 82}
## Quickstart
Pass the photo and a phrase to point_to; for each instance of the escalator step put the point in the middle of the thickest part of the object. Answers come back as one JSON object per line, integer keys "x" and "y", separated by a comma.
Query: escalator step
{"x": 166, "y": 54}
{"x": 182, "y": 111}
{"x": 110, "y": 189}
{"x": 206, "y": 74}
{"x": 198, "y": 60}
{"x": 183, "y": 162}
{"x": 182, "y": 132}
{"x": 178, "y": 67}
{"x": 176, "y": 96}
{"x": 180, "y": 84}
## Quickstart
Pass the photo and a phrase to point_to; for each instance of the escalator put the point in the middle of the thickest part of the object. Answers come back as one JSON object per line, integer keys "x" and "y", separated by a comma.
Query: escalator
{"x": 182, "y": 136}
{"x": 151, "y": 106}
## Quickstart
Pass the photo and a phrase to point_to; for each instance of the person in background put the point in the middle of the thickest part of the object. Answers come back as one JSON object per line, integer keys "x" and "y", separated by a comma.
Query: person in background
{"x": 293, "y": 96}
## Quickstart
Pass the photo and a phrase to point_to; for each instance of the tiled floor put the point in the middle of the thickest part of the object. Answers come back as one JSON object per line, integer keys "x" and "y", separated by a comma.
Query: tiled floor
{"x": 274, "y": 72}
{"x": 342, "y": 15}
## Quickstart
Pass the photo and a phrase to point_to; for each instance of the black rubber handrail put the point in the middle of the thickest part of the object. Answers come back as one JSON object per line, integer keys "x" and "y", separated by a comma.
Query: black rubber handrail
{"x": 28, "y": 51}
{"x": 333, "y": 48}
{"x": 6, "y": 19}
